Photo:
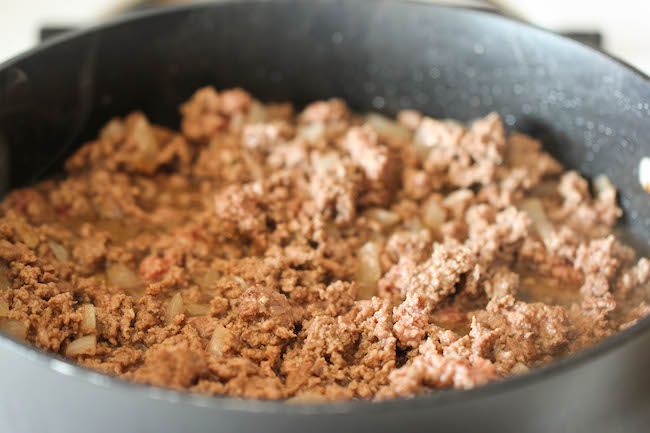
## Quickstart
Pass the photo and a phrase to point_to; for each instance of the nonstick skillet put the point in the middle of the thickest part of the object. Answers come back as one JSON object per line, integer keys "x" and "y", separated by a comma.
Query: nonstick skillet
{"x": 590, "y": 110}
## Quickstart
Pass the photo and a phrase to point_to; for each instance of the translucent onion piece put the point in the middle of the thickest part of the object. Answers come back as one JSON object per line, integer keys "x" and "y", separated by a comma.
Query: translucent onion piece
{"x": 386, "y": 126}
{"x": 242, "y": 282}
{"x": 603, "y": 185}
{"x": 59, "y": 251}
{"x": 519, "y": 368}
{"x": 144, "y": 136}
{"x": 413, "y": 225}
{"x": 197, "y": 309}
{"x": 644, "y": 173}
{"x": 369, "y": 271}
{"x": 312, "y": 132}
{"x": 384, "y": 217}
{"x": 433, "y": 215}
{"x": 216, "y": 343}
{"x": 82, "y": 346}
{"x": 209, "y": 280}
{"x": 88, "y": 320}
{"x": 123, "y": 277}
{"x": 535, "y": 210}
{"x": 4, "y": 308}
{"x": 114, "y": 130}
{"x": 433, "y": 132}
{"x": 174, "y": 308}
{"x": 327, "y": 162}
{"x": 15, "y": 328}
{"x": 26, "y": 233}
{"x": 423, "y": 136}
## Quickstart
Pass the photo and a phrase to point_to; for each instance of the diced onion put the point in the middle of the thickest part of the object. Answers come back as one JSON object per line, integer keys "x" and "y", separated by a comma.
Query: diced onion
{"x": 369, "y": 271}
{"x": 59, "y": 251}
{"x": 519, "y": 368}
{"x": 209, "y": 280}
{"x": 433, "y": 215}
{"x": 216, "y": 343}
{"x": 26, "y": 233}
{"x": 123, "y": 277}
{"x": 174, "y": 308}
{"x": 86, "y": 345}
{"x": 114, "y": 130}
{"x": 603, "y": 184}
{"x": 242, "y": 282}
{"x": 88, "y": 320}
{"x": 409, "y": 118}
{"x": 535, "y": 210}
{"x": 384, "y": 217}
{"x": 431, "y": 133}
{"x": 327, "y": 162}
{"x": 312, "y": 131}
{"x": 144, "y": 136}
{"x": 386, "y": 126}
{"x": 644, "y": 173}
{"x": 197, "y": 309}
{"x": 4, "y": 308}
{"x": 413, "y": 225}
{"x": 15, "y": 328}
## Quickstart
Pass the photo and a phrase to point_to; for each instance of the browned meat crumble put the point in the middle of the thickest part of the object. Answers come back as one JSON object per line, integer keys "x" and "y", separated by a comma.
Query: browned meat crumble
{"x": 317, "y": 255}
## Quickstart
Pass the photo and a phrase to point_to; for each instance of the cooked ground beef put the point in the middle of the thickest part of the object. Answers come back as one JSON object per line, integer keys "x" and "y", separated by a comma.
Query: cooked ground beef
{"x": 319, "y": 255}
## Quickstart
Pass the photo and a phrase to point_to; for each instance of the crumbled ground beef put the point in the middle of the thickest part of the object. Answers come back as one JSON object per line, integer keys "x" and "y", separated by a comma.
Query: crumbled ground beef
{"x": 318, "y": 255}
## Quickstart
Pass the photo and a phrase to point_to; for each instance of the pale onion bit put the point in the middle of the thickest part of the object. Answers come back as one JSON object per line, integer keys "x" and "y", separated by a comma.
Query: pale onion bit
{"x": 535, "y": 210}
{"x": 174, "y": 308}
{"x": 369, "y": 271}
{"x": 123, "y": 277}
{"x": 26, "y": 233}
{"x": 602, "y": 184}
{"x": 216, "y": 343}
{"x": 88, "y": 320}
{"x": 433, "y": 214}
{"x": 59, "y": 251}
{"x": 384, "y": 217}
{"x": 82, "y": 346}
{"x": 386, "y": 126}
{"x": 195, "y": 310}
{"x": 209, "y": 280}
{"x": 15, "y": 328}
{"x": 4, "y": 308}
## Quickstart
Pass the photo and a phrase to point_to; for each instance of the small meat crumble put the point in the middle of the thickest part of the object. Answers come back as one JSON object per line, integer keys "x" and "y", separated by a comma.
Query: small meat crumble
{"x": 318, "y": 255}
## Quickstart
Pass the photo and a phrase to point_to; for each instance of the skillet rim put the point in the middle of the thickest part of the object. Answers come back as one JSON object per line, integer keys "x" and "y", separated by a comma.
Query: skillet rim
{"x": 238, "y": 405}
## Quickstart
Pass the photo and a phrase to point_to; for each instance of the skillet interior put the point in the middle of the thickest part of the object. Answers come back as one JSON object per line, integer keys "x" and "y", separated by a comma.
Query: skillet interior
{"x": 590, "y": 111}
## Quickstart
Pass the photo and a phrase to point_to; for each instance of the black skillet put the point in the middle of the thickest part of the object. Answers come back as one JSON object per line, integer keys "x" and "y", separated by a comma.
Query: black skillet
{"x": 590, "y": 110}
